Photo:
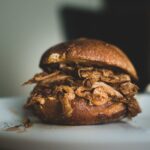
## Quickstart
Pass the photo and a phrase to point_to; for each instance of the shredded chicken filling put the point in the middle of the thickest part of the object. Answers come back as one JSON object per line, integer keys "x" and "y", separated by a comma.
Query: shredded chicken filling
{"x": 97, "y": 86}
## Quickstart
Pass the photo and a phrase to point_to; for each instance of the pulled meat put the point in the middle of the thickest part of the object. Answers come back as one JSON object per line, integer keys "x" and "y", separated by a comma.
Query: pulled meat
{"x": 104, "y": 75}
{"x": 133, "y": 108}
{"x": 98, "y": 86}
{"x": 100, "y": 93}
{"x": 106, "y": 92}
{"x": 107, "y": 89}
{"x": 129, "y": 89}
{"x": 45, "y": 79}
{"x": 65, "y": 94}
{"x": 40, "y": 77}
{"x": 83, "y": 92}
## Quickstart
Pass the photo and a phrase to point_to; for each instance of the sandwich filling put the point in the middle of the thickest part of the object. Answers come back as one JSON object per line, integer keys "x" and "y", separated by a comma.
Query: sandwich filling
{"x": 98, "y": 86}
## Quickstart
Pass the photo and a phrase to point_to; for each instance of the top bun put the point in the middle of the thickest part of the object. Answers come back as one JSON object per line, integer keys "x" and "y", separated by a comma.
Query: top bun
{"x": 89, "y": 51}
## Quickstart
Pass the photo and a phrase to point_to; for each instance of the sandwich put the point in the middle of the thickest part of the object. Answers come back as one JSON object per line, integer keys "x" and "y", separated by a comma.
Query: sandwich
{"x": 84, "y": 81}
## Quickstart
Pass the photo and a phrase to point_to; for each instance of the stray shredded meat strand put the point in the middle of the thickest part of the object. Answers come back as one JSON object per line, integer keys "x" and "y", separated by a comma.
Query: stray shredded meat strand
{"x": 27, "y": 123}
{"x": 22, "y": 127}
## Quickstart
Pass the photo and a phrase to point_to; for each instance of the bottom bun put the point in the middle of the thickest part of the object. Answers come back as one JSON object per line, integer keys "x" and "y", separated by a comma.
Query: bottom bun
{"x": 83, "y": 113}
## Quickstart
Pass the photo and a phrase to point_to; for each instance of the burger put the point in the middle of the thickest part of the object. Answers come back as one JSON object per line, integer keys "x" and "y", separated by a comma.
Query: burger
{"x": 84, "y": 81}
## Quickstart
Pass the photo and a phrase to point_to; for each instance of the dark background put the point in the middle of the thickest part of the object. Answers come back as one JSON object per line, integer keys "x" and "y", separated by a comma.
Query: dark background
{"x": 124, "y": 23}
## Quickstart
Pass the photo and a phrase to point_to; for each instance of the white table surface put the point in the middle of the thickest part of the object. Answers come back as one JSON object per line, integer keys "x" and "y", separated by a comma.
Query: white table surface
{"x": 129, "y": 135}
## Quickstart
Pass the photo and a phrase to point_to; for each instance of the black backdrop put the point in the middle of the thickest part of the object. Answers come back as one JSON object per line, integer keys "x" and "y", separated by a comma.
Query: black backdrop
{"x": 124, "y": 23}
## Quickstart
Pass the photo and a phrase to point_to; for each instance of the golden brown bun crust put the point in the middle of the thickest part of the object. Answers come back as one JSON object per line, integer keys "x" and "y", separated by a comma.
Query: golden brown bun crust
{"x": 92, "y": 51}
{"x": 83, "y": 113}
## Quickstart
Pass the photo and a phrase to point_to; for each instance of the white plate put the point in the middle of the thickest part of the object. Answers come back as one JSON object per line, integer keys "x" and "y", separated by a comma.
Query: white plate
{"x": 131, "y": 135}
